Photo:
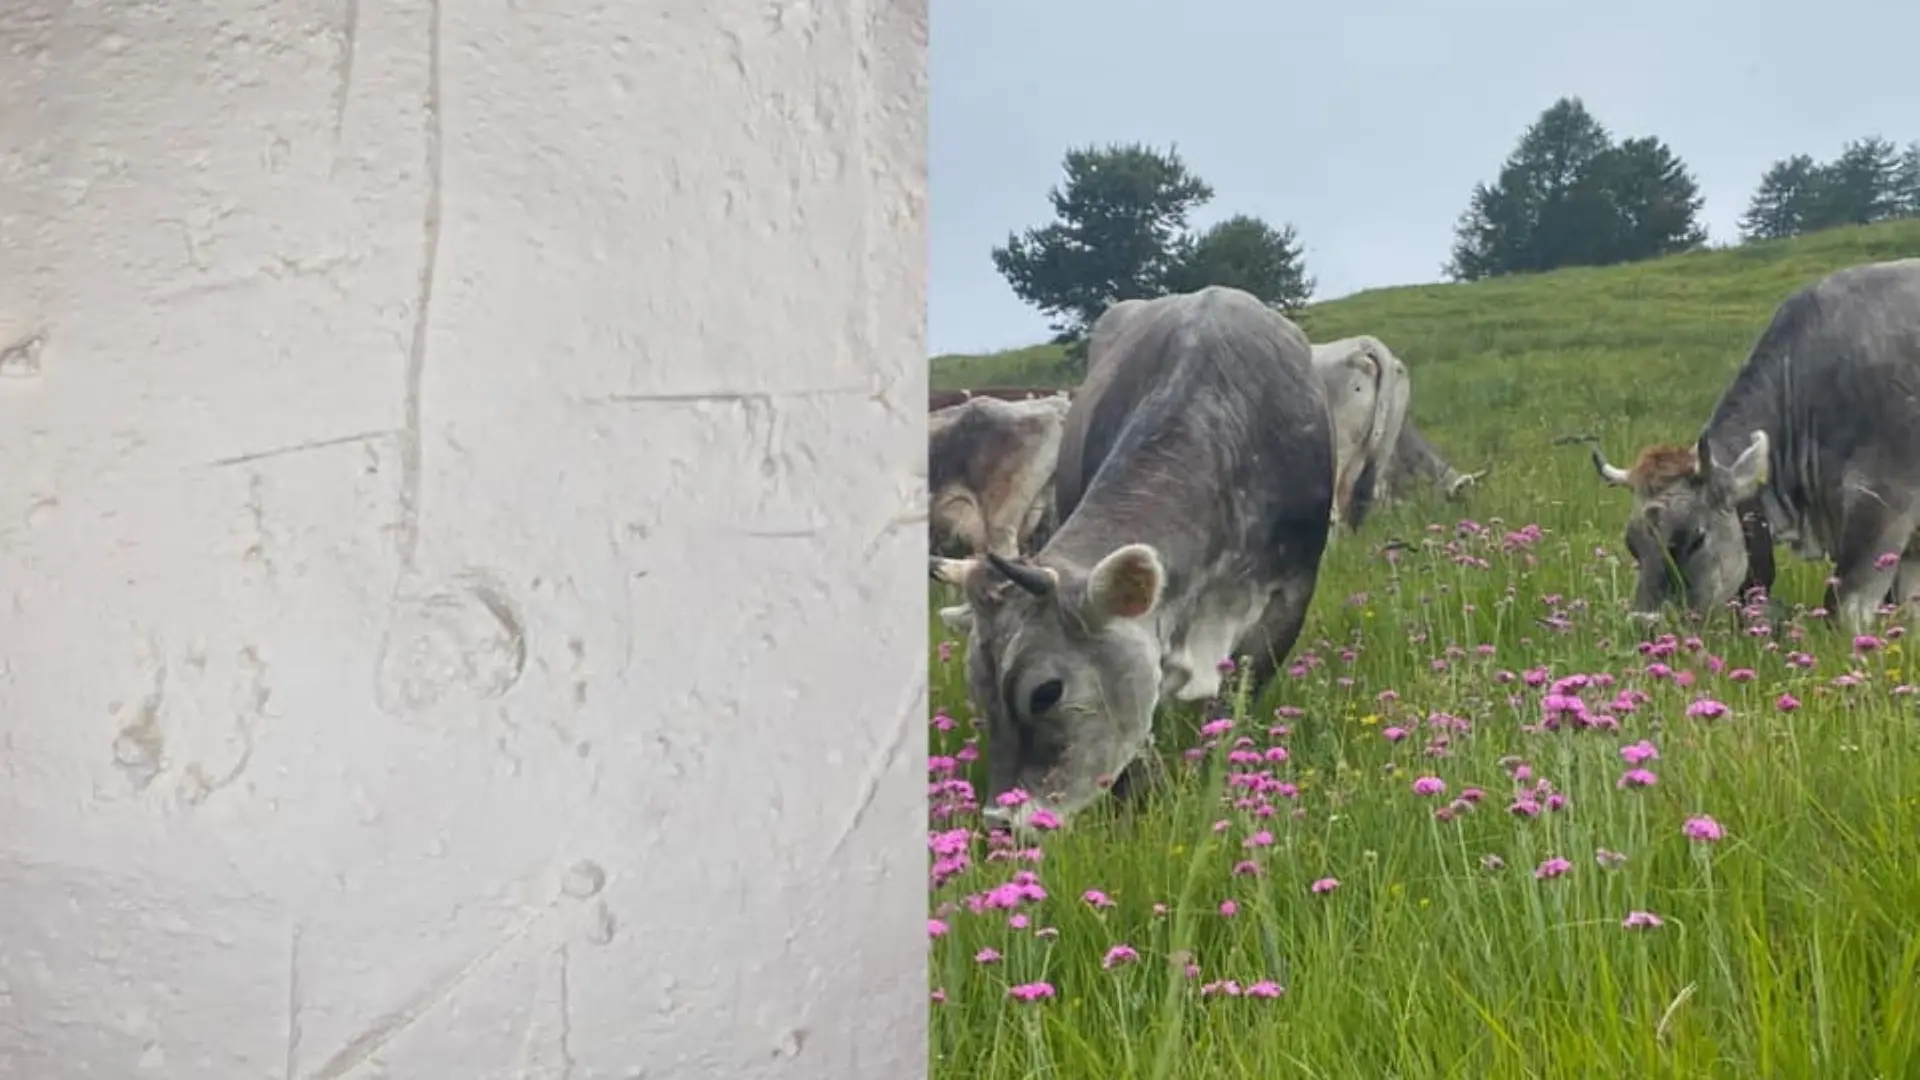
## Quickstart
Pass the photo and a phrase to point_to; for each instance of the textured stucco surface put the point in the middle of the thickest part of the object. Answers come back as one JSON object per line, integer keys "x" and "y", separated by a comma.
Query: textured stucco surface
{"x": 461, "y": 606}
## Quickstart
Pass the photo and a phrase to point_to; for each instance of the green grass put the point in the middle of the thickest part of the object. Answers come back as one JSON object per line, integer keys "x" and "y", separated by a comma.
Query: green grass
{"x": 1788, "y": 949}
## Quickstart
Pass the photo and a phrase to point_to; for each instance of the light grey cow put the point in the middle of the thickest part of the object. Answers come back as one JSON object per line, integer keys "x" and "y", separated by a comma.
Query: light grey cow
{"x": 1193, "y": 490}
{"x": 989, "y": 469}
{"x": 1817, "y": 440}
{"x": 1380, "y": 457}
{"x": 1416, "y": 460}
{"x": 1367, "y": 391}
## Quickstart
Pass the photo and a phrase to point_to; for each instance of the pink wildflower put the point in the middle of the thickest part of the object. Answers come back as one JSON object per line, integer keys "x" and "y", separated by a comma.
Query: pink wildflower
{"x": 1033, "y": 991}
{"x": 1640, "y": 753}
{"x": 1096, "y": 899}
{"x": 1552, "y": 868}
{"x": 1228, "y": 909}
{"x": 1265, "y": 988}
{"x": 1636, "y": 778}
{"x": 1325, "y": 885}
{"x": 1119, "y": 954}
{"x": 1707, "y": 709}
{"x": 1703, "y": 828}
{"x": 1429, "y": 785}
{"x": 1641, "y": 920}
{"x": 988, "y": 955}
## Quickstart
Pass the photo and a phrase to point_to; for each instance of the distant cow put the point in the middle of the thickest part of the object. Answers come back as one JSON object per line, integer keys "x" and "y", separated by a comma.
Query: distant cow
{"x": 1415, "y": 460}
{"x": 1380, "y": 456}
{"x": 1815, "y": 441}
{"x": 1193, "y": 491}
{"x": 947, "y": 399}
{"x": 990, "y": 471}
{"x": 1367, "y": 390}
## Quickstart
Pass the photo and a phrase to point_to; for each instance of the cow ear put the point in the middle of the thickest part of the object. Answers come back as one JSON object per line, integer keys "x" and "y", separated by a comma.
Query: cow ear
{"x": 958, "y": 618}
{"x": 1126, "y": 584}
{"x": 1748, "y": 471}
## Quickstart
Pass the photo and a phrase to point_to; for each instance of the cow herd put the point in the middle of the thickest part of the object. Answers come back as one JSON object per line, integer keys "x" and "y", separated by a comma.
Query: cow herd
{"x": 1123, "y": 539}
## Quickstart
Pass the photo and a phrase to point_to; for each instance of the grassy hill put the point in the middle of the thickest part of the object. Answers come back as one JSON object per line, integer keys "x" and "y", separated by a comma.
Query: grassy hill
{"x": 1631, "y": 353}
{"x": 1491, "y": 930}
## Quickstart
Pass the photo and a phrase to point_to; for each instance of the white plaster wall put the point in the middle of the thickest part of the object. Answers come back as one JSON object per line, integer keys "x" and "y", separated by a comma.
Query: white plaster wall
{"x": 461, "y": 606}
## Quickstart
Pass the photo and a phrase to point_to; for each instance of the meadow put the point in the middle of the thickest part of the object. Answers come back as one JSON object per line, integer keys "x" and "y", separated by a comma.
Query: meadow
{"x": 1483, "y": 826}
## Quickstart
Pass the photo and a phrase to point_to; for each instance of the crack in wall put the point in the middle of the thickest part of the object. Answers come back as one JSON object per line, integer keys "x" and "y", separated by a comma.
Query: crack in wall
{"x": 410, "y": 444}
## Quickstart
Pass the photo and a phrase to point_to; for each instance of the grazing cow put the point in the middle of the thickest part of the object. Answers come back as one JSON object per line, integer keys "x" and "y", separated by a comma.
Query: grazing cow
{"x": 1415, "y": 459}
{"x": 1816, "y": 441}
{"x": 1193, "y": 493}
{"x": 947, "y": 399}
{"x": 1367, "y": 390}
{"x": 989, "y": 470}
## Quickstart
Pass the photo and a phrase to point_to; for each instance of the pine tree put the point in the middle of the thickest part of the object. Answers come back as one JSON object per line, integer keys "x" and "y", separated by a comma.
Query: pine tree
{"x": 1118, "y": 216}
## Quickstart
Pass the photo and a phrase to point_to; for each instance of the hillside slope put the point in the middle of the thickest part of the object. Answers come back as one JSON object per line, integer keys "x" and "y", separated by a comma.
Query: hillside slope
{"x": 1632, "y": 354}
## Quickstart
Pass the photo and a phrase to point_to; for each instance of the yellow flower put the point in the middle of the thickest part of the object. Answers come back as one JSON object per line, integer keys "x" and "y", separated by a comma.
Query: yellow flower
{"x": 1370, "y": 719}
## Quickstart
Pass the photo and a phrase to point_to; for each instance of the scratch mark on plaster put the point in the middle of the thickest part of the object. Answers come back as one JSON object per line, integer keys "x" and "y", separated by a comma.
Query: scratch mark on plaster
{"x": 410, "y": 448}
{"x": 140, "y": 748}
{"x": 736, "y": 397}
{"x": 361, "y": 1048}
{"x": 349, "y": 39}
{"x": 911, "y": 705}
{"x": 782, "y": 534}
{"x": 301, "y": 448}
{"x": 257, "y": 517}
{"x": 21, "y": 359}
{"x": 468, "y": 639}
{"x": 194, "y": 786}
{"x": 533, "y": 1062}
{"x": 294, "y": 1003}
{"x": 187, "y": 241}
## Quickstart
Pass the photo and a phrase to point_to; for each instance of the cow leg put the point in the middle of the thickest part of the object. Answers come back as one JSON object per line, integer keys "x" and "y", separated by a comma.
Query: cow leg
{"x": 961, "y": 511}
{"x": 1271, "y": 640}
{"x": 1905, "y": 594}
{"x": 1864, "y": 584}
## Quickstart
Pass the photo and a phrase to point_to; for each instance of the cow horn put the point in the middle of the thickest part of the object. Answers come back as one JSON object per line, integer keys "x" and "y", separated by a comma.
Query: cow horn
{"x": 1035, "y": 581}
{"x": 1611, "y": 473}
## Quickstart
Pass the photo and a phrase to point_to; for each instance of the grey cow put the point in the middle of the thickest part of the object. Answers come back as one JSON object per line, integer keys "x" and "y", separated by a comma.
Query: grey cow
{"x": 1192, "y": 491}
{"x": 1816, "y": 441}
{"x": 1415, "y": 459}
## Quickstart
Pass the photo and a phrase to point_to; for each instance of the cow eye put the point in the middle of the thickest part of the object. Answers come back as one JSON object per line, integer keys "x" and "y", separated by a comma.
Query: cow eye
{"x": 1045, "y": 696}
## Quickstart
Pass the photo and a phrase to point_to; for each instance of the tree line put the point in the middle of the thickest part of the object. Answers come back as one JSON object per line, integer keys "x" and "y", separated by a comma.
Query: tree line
{"x": 1569, "y": 194}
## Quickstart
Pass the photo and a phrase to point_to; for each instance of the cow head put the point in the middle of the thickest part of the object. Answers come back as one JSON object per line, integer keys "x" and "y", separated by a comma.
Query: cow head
{"x": 1686, "y": 530}
{"x": 1065, "y": 664}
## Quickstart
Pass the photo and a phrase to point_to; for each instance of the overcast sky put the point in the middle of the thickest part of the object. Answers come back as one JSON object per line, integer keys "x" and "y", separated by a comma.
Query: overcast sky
{"x": 1367, "y": 123}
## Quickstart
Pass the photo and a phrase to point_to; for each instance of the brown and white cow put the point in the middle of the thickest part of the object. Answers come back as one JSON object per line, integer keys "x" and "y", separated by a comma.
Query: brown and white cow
{"x": 990, "y": 469}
